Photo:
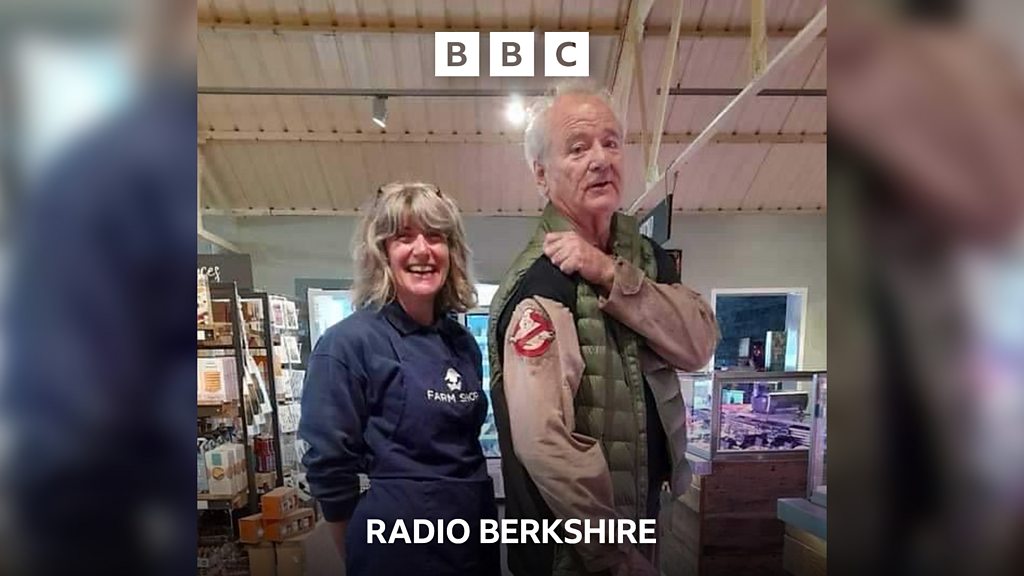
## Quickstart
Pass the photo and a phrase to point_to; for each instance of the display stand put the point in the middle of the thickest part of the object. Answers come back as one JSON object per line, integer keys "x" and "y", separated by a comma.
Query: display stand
{"x": 243, "y": 413}
{"x": 210, "y": 344}
{"x": 749, "y": 439}
{"x": 266, "y": 350}
{"x": 285, "y": 327}
{"x": 236, "y": 392}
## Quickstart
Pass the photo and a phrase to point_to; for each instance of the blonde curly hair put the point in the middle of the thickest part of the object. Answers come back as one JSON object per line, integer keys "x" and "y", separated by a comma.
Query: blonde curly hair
{"x": 396, "y": 205}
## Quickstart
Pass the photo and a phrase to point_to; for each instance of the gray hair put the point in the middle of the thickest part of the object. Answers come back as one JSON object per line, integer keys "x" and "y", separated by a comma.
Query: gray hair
{"x": 535, "y": 141}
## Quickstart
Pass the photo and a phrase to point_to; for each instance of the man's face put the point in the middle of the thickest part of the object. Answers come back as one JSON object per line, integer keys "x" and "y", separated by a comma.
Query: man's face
{"x": 581, "y": 170}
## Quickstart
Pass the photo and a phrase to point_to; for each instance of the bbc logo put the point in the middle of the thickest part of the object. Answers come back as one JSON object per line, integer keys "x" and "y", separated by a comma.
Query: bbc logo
{"x": 511, "y": 54}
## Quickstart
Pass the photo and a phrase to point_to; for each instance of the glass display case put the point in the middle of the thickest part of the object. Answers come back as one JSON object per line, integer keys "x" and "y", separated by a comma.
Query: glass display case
{"x": 741, "y": 413}
{"x": 817, "y": 475}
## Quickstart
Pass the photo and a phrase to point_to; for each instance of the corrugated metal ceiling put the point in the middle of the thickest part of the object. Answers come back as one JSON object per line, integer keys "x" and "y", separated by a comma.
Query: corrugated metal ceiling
{"x": 322, "y": 154}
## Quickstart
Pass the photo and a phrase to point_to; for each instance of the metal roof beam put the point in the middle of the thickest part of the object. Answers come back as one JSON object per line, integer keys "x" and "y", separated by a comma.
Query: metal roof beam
{"x": 474, "y": 92}
{"x": 268, "y": 211}
{"x": 668, "y": 61}
{"x": 794, "y": 47}
{"x": 201, "y": 231}
{"x": 630, "y": 50}
{"x": 514, "y": 139}
{"x": 742, "y": 33}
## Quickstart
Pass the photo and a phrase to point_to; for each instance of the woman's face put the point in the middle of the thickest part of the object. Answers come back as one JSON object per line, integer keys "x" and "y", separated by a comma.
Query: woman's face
{"x": 418, "y": 259}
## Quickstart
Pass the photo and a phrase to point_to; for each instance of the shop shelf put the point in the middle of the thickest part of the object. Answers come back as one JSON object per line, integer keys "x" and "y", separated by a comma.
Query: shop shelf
{"x": 221, "y": 502}
{"x": 228, "y": 410}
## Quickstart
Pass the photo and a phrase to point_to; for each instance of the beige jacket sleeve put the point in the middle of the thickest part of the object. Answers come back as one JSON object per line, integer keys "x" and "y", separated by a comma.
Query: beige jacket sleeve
{"x": 542, "y": 371}
{"x": 675, "y": 321}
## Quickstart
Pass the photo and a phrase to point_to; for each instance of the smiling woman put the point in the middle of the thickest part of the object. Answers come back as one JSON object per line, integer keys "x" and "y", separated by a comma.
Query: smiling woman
{"x": 412, "y": 246}
{"x": 394, "y": 391}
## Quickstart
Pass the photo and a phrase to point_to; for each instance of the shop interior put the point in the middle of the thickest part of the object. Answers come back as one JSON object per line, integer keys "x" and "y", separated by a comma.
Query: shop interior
{"x": 306, "y": 108}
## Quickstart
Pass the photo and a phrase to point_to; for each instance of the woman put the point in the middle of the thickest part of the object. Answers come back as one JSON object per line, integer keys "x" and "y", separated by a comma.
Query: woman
{"x": 394, "y": 391}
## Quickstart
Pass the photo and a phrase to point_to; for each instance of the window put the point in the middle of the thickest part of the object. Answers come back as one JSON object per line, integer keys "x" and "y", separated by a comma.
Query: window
{"x": 761, "y": 329}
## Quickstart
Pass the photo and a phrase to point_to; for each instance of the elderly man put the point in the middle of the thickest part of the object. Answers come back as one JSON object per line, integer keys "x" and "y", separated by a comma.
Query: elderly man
{"x": 585, "y": 332}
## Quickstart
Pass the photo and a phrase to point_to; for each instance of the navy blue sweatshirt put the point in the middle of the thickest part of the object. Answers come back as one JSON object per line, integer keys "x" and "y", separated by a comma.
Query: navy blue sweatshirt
{"x": 355, "y": 398}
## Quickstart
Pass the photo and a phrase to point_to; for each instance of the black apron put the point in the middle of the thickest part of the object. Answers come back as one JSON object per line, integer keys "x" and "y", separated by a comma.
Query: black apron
{"x": 431, "y": 425}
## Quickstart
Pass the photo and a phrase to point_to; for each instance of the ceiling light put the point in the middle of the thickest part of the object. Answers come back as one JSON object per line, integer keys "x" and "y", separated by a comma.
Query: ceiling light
{"x": 515, "y": 112}
{"x": 380, "y": 111}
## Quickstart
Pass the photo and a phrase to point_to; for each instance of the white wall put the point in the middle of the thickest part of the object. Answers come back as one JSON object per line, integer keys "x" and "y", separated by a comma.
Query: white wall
{"x": 719, "y": 251}
{"x": 760, "y": 251}
{"x": 287, "y": 247}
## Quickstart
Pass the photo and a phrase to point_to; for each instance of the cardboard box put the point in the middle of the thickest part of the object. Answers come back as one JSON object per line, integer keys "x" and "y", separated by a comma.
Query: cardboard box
{"x": 262, "y": 560}
{"x": 250, "y": 529}
{"x": 311, "y": 554}
{"x": 292, "y": 556}
{"x": 279, "y": 503}
{"x": 225, "y": 466}
{"x": 298, "y": 522}
{"x": 221, "y": 467}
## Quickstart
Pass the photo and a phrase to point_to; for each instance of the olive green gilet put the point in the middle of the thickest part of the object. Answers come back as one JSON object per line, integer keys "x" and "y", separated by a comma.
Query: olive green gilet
{"x": 609, "y": 405}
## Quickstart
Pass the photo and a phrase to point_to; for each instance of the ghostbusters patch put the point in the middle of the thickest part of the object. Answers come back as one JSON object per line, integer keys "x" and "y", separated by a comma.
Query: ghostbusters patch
{"x": 533, "y": 334}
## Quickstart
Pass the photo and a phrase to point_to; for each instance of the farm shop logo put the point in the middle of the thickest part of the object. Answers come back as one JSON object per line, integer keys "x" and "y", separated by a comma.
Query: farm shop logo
{"x": 452, "y": 397}
{"x": 511, "y": 54}
{"x": 452, "y": 381}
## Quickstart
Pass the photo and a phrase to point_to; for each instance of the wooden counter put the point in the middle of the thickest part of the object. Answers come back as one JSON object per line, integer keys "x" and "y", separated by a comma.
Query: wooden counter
{"x": 726, "y": 524}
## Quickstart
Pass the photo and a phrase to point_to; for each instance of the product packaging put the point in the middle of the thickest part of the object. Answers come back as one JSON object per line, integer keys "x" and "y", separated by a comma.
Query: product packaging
{"x": 222, "y": 466}
{"x": 296, "y": 522}
{"x": 279, "y": 502}
{"x": 202, "y": 479}
{"x": 241, "y": 477}
{"x": 250, "y": 529}
{"x": 217, "y": 380}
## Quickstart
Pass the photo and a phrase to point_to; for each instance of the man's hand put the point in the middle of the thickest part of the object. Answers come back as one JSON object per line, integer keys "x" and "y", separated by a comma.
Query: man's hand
{"x": 572, "y": 254}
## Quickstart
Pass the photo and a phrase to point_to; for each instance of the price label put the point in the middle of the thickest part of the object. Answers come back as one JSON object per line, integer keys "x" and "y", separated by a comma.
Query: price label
{"x": 201, "y": 335}
{"x": 202, "y": 505}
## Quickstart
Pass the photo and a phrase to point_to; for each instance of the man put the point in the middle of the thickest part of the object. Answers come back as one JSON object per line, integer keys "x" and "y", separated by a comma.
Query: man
{"x": 585, "y": 332}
